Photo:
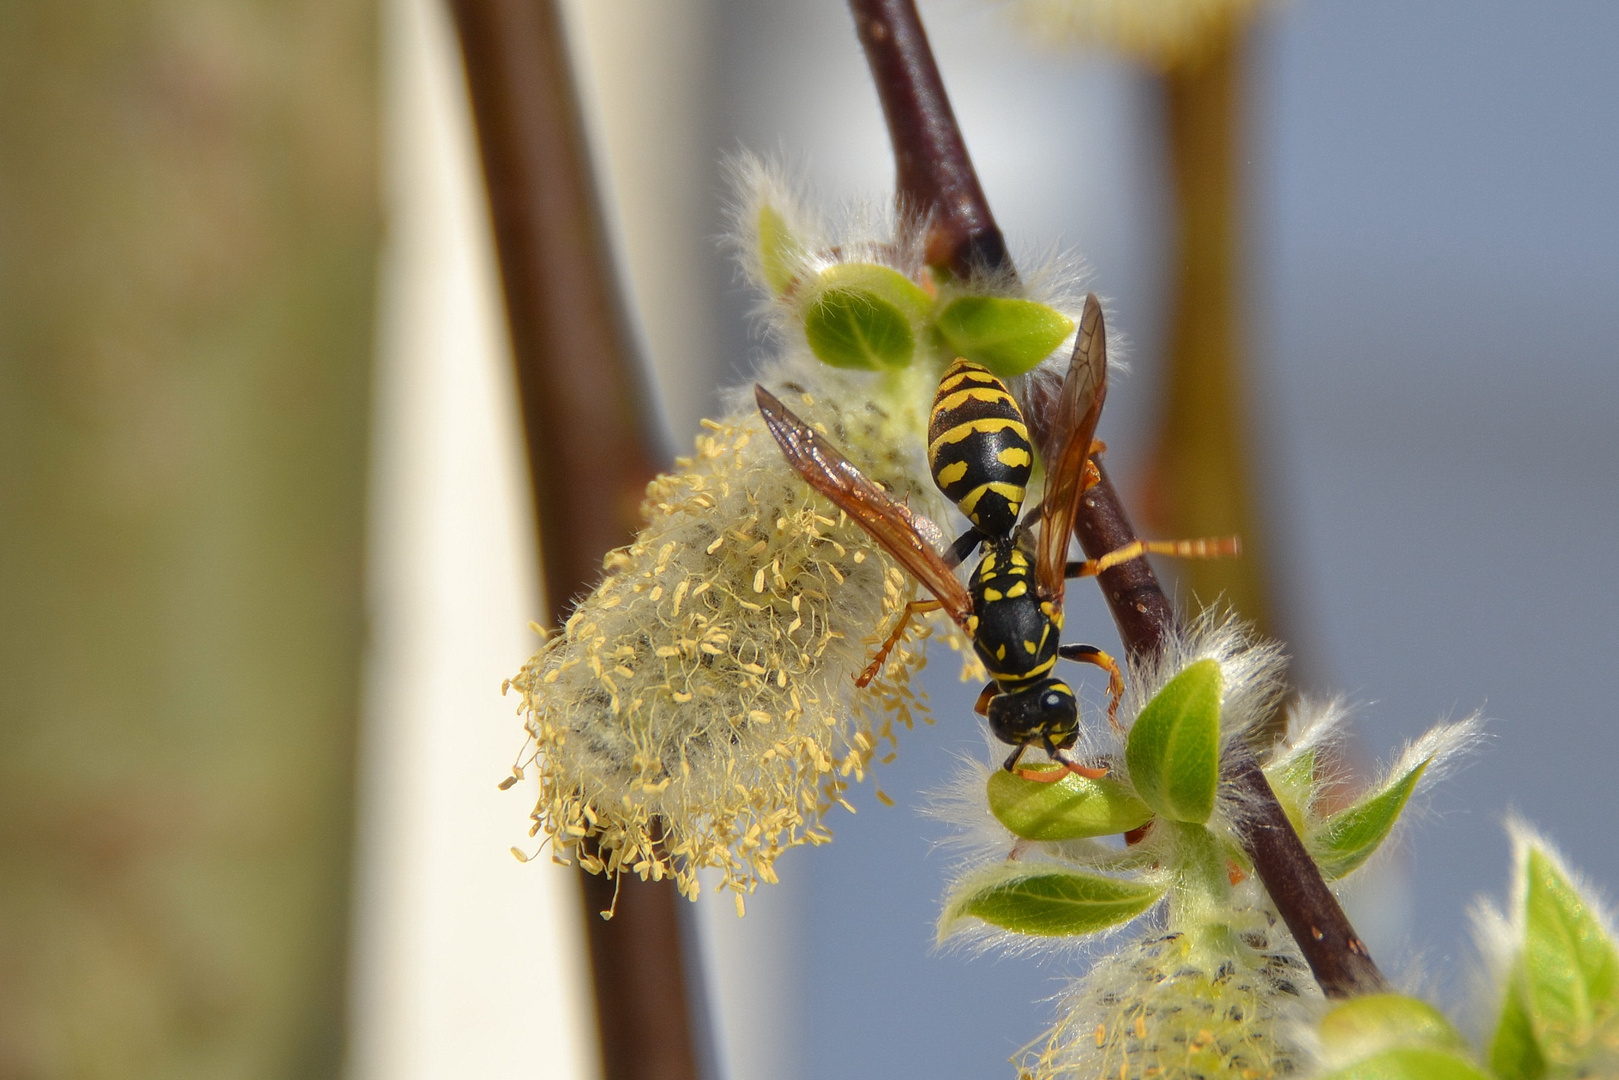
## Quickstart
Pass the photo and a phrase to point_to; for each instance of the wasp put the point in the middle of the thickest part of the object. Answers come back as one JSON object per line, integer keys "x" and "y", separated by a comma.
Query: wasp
{"x": 1012, "y": 604}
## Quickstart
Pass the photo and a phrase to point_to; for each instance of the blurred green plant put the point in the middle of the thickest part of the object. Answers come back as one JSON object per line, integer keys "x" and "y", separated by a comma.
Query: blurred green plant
{"x": 188, "y": 248}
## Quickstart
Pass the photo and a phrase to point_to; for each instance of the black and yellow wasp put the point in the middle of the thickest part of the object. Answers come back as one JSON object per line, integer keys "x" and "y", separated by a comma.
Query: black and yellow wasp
{"x": 1011, "y": 607}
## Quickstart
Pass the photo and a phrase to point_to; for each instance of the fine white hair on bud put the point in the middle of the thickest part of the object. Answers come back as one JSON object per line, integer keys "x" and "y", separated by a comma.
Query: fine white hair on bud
{"x": 784, "y": 243}
{"x": 698, "y": 708}
{"x": 1161, "y": 32}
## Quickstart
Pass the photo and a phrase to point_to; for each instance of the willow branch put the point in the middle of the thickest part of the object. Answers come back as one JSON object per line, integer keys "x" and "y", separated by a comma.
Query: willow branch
{"x": 923, "y": 130}
{"x": 584, "y": 414}
{"x": 1146, "y": 618}
{"x": 933, "y": 174}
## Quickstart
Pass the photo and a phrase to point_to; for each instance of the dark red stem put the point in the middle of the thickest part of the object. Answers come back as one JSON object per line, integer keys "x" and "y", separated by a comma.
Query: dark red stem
{"x": 585, "y": 417}
{"x": 933, "y": 173}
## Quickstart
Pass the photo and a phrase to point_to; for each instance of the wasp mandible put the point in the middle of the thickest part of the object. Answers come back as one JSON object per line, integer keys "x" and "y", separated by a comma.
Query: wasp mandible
{"x": 1012, "y": 605}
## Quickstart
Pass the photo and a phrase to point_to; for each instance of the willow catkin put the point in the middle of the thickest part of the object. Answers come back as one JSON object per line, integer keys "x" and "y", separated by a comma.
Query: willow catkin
{"x": 698, "y": 708}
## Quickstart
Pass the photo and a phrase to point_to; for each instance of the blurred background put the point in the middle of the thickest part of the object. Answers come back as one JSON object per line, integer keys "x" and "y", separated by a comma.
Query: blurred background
{"x": 265, "y": 552}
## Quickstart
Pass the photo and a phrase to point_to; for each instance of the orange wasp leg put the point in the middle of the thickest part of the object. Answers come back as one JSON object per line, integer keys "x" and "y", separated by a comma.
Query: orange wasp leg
{"x": 1051, "y": 776}
{"x": 915, "y": 607}
{"x": 1213, "y": 547}
{"x": 1090, "y": 654}
{"x": 984, "y": 696}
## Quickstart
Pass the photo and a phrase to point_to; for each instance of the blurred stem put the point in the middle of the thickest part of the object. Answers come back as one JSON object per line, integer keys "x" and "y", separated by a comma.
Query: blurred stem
{"x": 922, "y": 128}
{"x": 585, "y": 413}
{"x": 1200, "y": 482}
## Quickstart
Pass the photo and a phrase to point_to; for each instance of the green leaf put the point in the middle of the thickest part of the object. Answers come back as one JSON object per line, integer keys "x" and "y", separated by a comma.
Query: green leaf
{"x": 883, "y": 282}
{"x": 1396, "y": 1038}
{"x": 1068, "y": 809}
{"x": 1007, "y": 335}
{"x": 1297, "y": 771}
{"x": 863, "y": 315}
{"x": 1346, "y": 839}
{"x": 1375, "y": 1021}
{"x": 1410, "y": 1064}
{"x": 1514, "y": 1054}
{"x": 778, "y": 250}
{"x": 1293, "y": 780}
{"x": 1174, "y": 748}
{"x": 1569, "y": 971}
{"x": 852, "y": 328}
{"x": 1046, "y": 902}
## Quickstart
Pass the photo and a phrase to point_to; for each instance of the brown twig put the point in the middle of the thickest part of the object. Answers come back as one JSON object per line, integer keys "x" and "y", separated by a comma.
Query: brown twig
{"x": 933, "y": 174}
{"x": 590, "y": 457}
{"x": 919, "y": 119}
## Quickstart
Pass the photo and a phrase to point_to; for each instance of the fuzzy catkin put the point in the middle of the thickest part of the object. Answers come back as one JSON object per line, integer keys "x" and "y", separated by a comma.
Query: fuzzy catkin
{"x": 698, "y": 708}
{"x": 1203, "y": 1003}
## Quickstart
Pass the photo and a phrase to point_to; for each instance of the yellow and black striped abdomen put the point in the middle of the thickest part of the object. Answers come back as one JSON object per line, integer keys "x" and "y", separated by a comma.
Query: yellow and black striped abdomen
{"x": 978, "y": 447}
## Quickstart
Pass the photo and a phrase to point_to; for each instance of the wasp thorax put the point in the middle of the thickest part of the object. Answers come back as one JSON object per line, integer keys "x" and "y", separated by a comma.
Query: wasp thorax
{"x": 1044, "y": 712}
{"x": 978, "y": 447}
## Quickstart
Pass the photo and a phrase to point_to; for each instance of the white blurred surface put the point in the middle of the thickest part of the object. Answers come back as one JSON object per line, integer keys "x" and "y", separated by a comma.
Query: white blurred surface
{"x": 467, "y": 963}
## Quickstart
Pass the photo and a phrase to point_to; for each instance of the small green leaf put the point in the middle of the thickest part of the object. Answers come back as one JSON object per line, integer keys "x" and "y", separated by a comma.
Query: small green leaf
{"x": 1346, "y": 839}
{"x": 1411, "y": 1064}
{"x": 1514, "y": 1054}
{"x": 1174, "y": 748}
{"x": 1068, "y": 809}
{"x": 883, "y": 282}
{"x": 1046, "y": 902}
{"x": 1569, "y": 972}
{"x": 1296, "y": 773}
{"x": 864, "y": 315}
{"x": 1005, "y": 334}
{"x": 852, "y": 328}
{"x": 778, "y": 250}
{"x": 1387, "y": 1020}
{"x": 1293, "y": 780}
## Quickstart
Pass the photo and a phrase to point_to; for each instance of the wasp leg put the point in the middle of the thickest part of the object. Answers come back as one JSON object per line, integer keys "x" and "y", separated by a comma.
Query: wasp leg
{"x": 1062, "y": 758}
{"x": 915, "y": 607}
{"x": 1051, "y": 776}
{"x": 1090, "y": 654}
{"x": 989, "y": 691}
{"x": 965, "y": 545}
{"x": 1211, "y": 547}
{"x": 1010, "y": 765}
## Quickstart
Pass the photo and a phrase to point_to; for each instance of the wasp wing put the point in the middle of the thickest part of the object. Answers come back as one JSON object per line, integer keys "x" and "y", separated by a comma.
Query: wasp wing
{"x": 890, "y": 523}
{"x": 1073, "y": 426}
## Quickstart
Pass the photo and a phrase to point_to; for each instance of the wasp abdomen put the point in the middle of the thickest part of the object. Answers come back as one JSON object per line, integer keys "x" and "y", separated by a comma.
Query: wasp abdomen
{"x": 978, "y": 447}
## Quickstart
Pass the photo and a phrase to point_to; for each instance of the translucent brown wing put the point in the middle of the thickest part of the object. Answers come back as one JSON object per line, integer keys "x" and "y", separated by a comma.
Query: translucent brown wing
{"x": 890, "y": 523}
{"x": 1079, "y": 407}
